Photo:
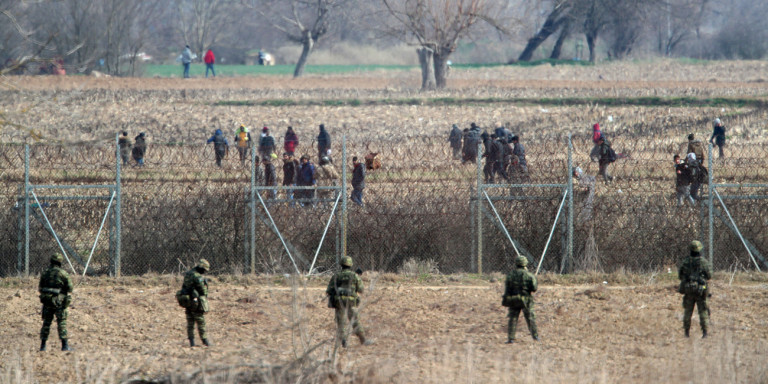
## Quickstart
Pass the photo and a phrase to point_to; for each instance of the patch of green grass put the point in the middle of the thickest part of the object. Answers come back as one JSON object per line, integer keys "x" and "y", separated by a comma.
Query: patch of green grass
{"x": 198, "y": 70}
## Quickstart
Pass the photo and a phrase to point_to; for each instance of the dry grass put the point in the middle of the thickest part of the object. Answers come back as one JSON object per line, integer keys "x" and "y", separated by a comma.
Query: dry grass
{"x": 129, "y": 330}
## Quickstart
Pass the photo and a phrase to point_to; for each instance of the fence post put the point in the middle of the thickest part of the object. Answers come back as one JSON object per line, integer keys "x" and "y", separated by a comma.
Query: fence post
{"x": 569, "y": 253}
{"x": 251, "y": 261}
{"x": 118, "y": 206}
{"x": 344, "y": 197}
{"x": 26, "y": 209}
{"x": 710, "y": 205}
{"x": 479, "y": 212}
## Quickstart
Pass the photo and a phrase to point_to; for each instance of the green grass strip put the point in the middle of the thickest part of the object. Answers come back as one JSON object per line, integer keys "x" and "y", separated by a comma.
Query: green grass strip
{"x": 446, "y": 101}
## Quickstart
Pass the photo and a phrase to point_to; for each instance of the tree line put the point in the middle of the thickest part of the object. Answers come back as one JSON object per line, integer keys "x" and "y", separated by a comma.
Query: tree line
{"x": 109, "y": 35}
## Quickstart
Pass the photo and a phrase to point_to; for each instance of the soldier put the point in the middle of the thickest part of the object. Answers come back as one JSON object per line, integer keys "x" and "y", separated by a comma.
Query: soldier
{"x": 196, "y": 286}
{"x": 55, "y": 288}
{"x": 695, "y": 146}
{"x": 342, "y": 291}
{"x": 694, "y": 274}
{"x": 517, "y": 296}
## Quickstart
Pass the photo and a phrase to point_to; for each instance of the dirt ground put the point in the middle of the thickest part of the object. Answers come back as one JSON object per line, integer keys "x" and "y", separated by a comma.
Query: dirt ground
{"x": 444, "y": 332}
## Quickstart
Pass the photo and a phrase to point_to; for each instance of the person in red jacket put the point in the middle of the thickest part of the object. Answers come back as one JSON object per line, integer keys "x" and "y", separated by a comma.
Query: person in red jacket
{"x": 291, "y": 141}
{"x": 209, "y": 59}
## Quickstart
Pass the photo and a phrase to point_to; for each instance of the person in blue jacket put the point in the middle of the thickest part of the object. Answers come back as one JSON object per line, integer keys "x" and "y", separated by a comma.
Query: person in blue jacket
{"x": 220, "y": 145}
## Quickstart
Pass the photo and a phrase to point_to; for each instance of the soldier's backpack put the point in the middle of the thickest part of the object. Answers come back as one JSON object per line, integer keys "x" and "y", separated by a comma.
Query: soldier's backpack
{"x": 693, "y": 284}
{"x": 345, "y": 291}
{"x": 185, "y": 301}
{"x": 514, "y": 292}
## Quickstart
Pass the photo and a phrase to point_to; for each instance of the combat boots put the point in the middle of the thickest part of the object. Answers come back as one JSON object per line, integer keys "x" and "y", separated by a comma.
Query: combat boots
{"x": 42, "y": 346}
{"x": 191, "y": 342}
{"x": 65, "y": 345}
{"x": 206, "y": 343}
{"x": 704, "y": 334}
{"x": 687, "y": 332}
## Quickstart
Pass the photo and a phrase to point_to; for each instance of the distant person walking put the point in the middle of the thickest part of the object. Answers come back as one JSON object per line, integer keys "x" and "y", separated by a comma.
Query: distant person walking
{"x": 125, "y": 147}
{"x": 140, "y": 149}
{"x": 306, "y": 178}
{"x": 694, "y": 273}
{"x": 270, "y": 175}
{"x": 291, "y": 141}
{"x": 696, "y": 146}
{"x": 519, "y": 286}
{"x": 343, "y": 293}
{"x": 682, "y": 182}
{"x": 454, "y": 137}
{"x": 266, "y": 144}
{"x": 358, "y": 181}
{"x": 243, "y": 142}
{"x": 327, "y": 176}
{"x": 209, "y": 60}
{"x": 718, "y": 134}
{"x": 520, "y": 166}
{"x": 186, "y": 60}
{"x": 290, "y": 173}
{"x": 323, "y": 143}
{"x": 606, "y": 156}
{"x": 220, "y": 145}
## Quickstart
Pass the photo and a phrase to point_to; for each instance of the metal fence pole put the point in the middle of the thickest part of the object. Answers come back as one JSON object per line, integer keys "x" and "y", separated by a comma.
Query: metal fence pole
{"x": 251, "y": 259}
{"x": 569, "y": 253}
{"x": 344, "y": 212}
{"x": 26, "y": 209}
{"x": 710, "y": 205}
{"x": 118, "y": 207}
{"x": 479, "y": 212}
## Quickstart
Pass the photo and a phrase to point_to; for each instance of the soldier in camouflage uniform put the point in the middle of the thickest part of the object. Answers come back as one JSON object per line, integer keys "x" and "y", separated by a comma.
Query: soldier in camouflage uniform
{"x": 517, "y": 296}
{"x": 55, "y": 288}
{"x": 694, "y": 274}
{"x": 342, "y": 291}
{"x": 196, "y": 286}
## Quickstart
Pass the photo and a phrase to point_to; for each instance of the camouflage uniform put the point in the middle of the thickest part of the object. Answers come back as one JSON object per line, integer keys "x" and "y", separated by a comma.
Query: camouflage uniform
{"x": 196, "y": 286}
{"x": 343, "y": 290}
{"x": 694, "y": 274}
{"x": 55, "y": 288}
{"x": 517, "y": 296}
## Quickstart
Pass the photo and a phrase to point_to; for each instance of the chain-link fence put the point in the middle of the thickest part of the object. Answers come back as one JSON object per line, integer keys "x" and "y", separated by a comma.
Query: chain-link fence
{"x": 422, "y": 204}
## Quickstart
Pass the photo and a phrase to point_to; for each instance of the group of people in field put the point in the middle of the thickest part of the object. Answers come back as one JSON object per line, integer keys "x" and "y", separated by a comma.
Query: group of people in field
{"x": 136, "y": 150}
{"x": 302, "y": 172}
{"x": 504, "y": 154}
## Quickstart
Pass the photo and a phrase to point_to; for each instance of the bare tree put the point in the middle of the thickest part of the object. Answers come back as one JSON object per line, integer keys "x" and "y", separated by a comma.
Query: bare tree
{"x": 437, "y": 26}
{"x": 558, "y": 18}
{"x": 301, "y": 21}
{"x": 203, "y": 23}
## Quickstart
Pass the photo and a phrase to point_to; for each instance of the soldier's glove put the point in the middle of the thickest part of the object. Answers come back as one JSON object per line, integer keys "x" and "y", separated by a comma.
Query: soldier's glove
{"x": 359, "y": 271}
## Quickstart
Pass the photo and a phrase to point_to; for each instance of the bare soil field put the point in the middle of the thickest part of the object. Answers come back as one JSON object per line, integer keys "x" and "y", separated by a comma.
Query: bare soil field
{"x": 442, "y": 329}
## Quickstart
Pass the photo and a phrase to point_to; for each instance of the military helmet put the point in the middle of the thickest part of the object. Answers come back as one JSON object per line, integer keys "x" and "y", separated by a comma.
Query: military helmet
{"x": 204, "y": 264}
{"x": 696, "y": 246}
{"x": 521, "y": 261}
{"x": 57, "y": 258}
{"x": 346, "y": 261}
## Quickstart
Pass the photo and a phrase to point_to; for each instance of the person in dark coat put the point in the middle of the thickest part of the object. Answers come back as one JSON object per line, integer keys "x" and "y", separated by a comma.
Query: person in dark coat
{"x": 291, "y": 141}
{"x": 306, "y": 178}
{"x": 455, "y": 139}
{"x": 220, "y": 145}
{"x": 718, "y": 134}
{"x": 139, "y": 149}
{"x": 270, "y": 175}
{"x": 125, "y": 147}
{"x": 605, "y": 159}
{"x": 488, "y": 167}
{"x": 358, "y": 181}
{"x": 290, "y": 172}
{"x": 323, "y": 143}
{"x": 682, "y": 181}
{"x": 266, "y": 144}
{"x": 497, "y": 155}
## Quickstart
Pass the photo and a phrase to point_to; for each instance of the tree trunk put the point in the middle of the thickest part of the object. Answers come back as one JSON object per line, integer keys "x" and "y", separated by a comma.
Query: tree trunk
{"x": 591, "y": 41}
{"x": 441, "y": 70}
{"x": 427, "y": 68}
{"x": 550, "y": 26}
{"x": 306, "y": 47}
{"x": 558, "y": 48}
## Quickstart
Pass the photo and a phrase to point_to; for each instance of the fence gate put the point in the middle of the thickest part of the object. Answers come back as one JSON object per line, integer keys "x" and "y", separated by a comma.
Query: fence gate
{"x": 522, "y": 209}
{"x": 262, "y": 210}
{"x": 36, "y": 203}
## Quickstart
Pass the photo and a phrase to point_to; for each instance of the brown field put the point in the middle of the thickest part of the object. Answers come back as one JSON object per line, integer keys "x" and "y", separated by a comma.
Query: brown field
{"x": 437, "y": 329}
